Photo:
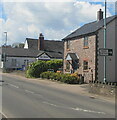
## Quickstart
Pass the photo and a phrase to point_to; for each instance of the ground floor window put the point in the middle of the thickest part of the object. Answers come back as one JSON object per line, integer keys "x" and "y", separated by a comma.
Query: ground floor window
{"x": 26, "y": 62}
{"x": 85, "y": 65}
{"x": 14, "y": 62}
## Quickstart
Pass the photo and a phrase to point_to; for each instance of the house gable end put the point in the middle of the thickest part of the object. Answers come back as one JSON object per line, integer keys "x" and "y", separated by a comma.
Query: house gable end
{"x": 44, "y": 56}
{"x": 26, "y": 45}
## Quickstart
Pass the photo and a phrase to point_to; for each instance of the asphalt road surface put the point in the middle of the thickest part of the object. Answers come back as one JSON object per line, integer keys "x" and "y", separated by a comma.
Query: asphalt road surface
{"x": 31, "y": 99}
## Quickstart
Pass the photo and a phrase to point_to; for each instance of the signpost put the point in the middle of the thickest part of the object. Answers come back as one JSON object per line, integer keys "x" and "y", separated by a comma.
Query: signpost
{"x": 105, "y": 52}
{"x": 105, "y": 44}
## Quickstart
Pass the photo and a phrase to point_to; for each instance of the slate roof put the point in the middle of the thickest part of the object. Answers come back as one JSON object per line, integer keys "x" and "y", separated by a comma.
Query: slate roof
{"x": 20, "y": 52}
{"x": 32, "y": 43}
{"x": 54, "y": 55}
{"x": 73, "y": 56}
{"x": 49, "y": 45}
{"x": 89, "y": 28}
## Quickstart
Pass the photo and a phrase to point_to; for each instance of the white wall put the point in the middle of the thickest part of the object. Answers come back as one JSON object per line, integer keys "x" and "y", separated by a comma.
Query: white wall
{"x": 19, "y": 61}
{"x": 26, "y": 45}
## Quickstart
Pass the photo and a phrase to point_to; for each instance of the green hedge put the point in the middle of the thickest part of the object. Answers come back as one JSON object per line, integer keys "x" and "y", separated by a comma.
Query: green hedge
{"x": 66, "y": 78}
{"x": 54, "y": 64}
{"x": 36, "y": 68}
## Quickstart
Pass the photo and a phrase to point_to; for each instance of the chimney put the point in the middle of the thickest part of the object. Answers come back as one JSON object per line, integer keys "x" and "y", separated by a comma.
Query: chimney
{"x": 99, "y": 15}
{"x": 41, "y": 42}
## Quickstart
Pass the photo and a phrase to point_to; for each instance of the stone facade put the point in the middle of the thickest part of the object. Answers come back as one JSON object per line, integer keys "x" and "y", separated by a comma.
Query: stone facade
{"x": 84, "y": 53}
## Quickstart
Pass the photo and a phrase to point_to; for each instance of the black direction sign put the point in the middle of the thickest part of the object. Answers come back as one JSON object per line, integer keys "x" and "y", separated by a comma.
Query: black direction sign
{"x": 105, "y": 52}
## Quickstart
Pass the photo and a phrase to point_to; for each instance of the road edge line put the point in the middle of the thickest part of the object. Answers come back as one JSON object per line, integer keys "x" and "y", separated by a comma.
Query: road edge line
{"x": 3, "y": 114}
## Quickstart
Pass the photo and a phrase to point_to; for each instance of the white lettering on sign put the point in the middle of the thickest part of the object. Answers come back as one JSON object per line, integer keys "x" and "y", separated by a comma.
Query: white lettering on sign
{"x": 105, "y": 52}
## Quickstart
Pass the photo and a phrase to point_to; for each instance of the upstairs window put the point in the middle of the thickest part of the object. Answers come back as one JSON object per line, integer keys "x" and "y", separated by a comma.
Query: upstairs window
{"x": 85, "y": 41}
{"x": 68, "y": 44}
{"x": 85, "y": 65}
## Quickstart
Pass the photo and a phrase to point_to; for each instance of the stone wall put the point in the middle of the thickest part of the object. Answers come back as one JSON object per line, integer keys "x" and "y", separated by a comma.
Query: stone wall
{"x": 89, "y": 53}
{"x": 104, "y": 89}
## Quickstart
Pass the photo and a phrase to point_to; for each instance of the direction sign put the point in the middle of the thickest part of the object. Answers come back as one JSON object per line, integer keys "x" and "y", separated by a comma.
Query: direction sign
{"x": 110, "y": 52}
{"x": 105, "y": 52}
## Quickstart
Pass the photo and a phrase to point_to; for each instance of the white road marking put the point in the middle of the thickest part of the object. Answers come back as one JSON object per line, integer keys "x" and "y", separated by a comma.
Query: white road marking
{"x": 38, "y": 94}
{"x": 76, "y": 109}
{"x": 29, "y": 91}
{"x": 13, "y": 85}
{"x": 84, "y": 110}
{"x": 50, "y": 104}
{"x": 3, "y": 114}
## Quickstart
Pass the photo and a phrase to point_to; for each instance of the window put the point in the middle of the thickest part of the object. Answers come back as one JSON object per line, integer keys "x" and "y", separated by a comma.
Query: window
{"x": 26, "y": 62}
{"x": 68, "y": 44}
{"x": 85, "y": 65}
{"x": 14, "y": 62}
{"x": 85, "y": 41}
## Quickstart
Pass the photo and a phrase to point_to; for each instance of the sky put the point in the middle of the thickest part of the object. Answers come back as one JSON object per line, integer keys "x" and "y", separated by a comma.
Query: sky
{"x": 54, "y": 20}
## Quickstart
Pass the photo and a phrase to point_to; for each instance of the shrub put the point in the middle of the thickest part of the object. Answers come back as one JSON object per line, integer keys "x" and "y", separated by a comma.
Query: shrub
{"x": 58, "y": 76}
{"x": 54, "y": 64}
{"x": 46, "y": 75}
{"x": 66, "y": 78}
{"x": 36, "y": 68}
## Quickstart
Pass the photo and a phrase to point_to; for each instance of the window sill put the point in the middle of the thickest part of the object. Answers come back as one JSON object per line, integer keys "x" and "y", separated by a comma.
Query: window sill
{"x": 86, "y": 47}
{"x": 68, "y": 49}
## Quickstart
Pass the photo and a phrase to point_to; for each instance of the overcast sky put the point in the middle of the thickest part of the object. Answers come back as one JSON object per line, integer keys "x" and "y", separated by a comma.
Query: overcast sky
{"x": 54, "y": 20}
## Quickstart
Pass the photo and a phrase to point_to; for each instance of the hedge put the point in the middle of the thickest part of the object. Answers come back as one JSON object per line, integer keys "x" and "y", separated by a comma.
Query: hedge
{"x": 66, "y": 78}
{"x": 36, "y": 68}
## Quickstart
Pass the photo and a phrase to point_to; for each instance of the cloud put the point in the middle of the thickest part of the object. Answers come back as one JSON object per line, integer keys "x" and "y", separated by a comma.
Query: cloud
{"x": 54, "y": 19}
{"x": 2, "y": 22}
{"x": 98, "y": 0}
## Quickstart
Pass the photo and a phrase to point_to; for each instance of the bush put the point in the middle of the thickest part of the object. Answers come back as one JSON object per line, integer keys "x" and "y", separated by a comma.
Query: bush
{"x": 36, "y": 68}
{"x": 46, "y": 75}
{"x": 66, "y": 78}
{"x": 54, "y": 64}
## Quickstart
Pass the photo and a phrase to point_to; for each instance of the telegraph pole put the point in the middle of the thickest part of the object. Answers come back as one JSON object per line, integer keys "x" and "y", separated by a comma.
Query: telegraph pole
{"x": 4, "y": 54}
{"x": 105, "y": 44}
{"x": 6, "y": 39}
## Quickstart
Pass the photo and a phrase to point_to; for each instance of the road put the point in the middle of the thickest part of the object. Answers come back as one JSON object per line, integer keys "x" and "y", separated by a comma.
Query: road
{"x": 32, "y": 99}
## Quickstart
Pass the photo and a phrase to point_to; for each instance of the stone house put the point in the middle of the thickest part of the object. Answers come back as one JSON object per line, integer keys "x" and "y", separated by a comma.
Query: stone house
{"x": 81, "y": 50}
